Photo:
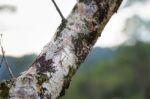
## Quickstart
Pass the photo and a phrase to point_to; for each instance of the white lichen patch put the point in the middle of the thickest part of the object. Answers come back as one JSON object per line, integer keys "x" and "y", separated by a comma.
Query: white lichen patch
{"x": 25, "y": 87}
{"x": 31, "y": 71}
{"x": 55, "y": 83}
{"x": 76, "y": 21}
{"x": 86, "y": 10}
{"x": 69, "y": 58}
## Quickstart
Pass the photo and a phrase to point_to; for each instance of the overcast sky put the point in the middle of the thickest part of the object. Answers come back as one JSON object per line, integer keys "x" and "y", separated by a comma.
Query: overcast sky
{"x": 35, "y": 22}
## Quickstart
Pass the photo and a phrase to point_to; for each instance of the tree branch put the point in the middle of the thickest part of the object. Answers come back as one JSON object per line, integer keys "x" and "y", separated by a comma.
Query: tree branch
{"x": 51, "y": 72}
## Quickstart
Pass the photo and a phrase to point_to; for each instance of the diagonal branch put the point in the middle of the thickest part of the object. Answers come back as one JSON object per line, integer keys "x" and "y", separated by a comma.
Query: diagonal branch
{"x": 51, "y": 73}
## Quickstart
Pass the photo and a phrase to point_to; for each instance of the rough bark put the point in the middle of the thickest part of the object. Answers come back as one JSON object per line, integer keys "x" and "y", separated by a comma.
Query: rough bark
{"x": 51, "y": 72}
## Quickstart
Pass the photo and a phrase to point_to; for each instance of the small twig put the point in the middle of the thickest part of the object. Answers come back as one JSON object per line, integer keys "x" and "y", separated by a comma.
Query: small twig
{"x": 4, "y": 59}
{"x": 9, "y": 69}
{"x": 1, "y": 50}
{"x": 57, "y": 8}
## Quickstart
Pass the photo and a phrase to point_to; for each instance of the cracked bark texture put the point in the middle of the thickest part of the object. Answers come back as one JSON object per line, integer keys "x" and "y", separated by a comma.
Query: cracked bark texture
{"x": 50, "y": 74}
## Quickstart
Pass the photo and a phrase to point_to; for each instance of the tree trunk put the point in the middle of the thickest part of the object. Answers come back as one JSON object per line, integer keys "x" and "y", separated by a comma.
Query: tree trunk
{"x": 51, "y": 72}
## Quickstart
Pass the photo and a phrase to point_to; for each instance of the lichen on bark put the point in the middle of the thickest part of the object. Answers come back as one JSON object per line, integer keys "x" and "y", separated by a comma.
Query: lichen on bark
{"x": 52, "y": 71}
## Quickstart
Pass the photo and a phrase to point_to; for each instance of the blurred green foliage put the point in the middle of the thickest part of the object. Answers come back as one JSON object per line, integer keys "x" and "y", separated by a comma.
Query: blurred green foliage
{"x": 126, "y": 76}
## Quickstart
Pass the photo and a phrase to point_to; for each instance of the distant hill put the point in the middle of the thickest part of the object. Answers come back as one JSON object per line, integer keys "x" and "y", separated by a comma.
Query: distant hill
{"x": 17, "y": 65}
{"x": 96, "y": 56}
{"x": 99, "y": 54}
